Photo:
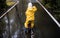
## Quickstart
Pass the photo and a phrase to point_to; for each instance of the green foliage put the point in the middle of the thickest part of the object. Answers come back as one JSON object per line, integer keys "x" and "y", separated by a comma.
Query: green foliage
{"x": 49, "y": 3}
{"x": 54, "y": 6}
{"x": 3, "y": 4}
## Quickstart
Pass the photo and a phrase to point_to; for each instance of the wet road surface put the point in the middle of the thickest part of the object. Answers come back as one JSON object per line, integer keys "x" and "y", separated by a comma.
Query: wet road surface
{"x": 44, "y": 27}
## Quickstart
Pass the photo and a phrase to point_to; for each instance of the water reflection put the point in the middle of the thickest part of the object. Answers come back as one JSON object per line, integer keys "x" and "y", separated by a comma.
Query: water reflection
{"x": 6, "y": 19}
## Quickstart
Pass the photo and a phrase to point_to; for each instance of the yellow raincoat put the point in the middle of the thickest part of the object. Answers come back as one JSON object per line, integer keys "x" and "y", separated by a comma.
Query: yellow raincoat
{"x": 30, "y": 16}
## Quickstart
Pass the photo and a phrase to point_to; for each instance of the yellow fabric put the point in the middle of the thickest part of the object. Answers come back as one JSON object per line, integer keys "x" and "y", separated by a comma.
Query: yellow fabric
{"x": 30, "y": 16}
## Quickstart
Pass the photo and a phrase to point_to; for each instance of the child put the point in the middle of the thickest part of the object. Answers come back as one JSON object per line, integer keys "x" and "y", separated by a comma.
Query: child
{"x": 29, "y": 23}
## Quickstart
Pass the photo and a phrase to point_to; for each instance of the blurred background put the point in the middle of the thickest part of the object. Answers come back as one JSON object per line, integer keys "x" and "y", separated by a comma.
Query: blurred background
{"x": 12, "y": 23}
